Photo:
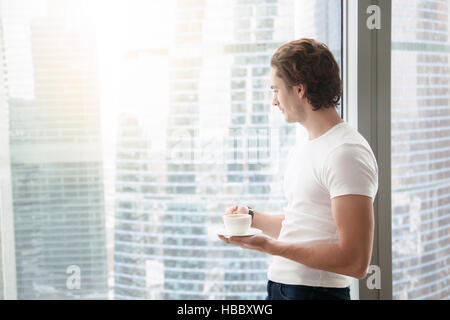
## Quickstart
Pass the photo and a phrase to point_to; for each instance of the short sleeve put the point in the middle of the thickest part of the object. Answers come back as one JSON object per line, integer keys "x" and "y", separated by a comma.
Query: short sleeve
{"x": 351, "y": 169}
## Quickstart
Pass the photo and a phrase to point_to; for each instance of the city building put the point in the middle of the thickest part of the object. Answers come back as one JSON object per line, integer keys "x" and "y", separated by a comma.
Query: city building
{"x": 420, "y": 149}
{"x": 56, "y": 164}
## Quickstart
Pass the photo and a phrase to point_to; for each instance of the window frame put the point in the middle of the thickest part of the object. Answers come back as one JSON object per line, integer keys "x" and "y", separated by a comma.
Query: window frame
{"x": 367, "y": 107}
{"x": 7, "y": 240}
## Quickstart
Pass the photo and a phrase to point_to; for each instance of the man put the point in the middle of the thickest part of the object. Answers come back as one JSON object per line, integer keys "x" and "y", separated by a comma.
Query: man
{"x": 325, "y": 235}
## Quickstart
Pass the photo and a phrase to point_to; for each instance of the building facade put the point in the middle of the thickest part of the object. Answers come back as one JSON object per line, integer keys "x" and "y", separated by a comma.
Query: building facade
{"x": 55, "y": 153}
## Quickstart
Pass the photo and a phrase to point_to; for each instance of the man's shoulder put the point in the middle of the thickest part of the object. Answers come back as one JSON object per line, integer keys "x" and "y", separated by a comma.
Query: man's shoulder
{"x": 348, "y": 139}
{"x": 350, "y": 149}
{"x": 351, "y": 155}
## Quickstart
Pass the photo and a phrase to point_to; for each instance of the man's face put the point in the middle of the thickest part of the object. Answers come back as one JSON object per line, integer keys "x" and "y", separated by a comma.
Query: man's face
{"x": 286, "y": 99}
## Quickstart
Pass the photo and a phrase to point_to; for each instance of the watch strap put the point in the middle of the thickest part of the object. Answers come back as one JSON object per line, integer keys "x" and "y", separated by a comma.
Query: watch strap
{"x": 250, "y": 211}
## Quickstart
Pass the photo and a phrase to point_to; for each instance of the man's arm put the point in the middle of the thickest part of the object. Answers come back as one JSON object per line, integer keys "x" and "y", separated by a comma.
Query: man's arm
{"x": 351, "y": 255}
{"x": 353, "y": 215}
{"x": 269, "y": 224}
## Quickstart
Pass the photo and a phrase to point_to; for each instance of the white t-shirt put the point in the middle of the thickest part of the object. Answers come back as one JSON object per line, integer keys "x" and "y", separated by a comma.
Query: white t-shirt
{"x": 339, "y": 162}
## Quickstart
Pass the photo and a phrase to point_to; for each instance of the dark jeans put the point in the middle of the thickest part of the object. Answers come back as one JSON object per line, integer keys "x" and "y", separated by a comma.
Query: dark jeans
{"x": 281, "y": 291}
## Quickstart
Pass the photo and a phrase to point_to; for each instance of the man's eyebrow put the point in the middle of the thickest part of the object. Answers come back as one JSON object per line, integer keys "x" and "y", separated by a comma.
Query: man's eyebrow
{"x": 273, "y": 87}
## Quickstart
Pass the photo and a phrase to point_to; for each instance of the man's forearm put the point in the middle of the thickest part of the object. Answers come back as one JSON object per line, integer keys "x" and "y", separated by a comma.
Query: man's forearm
{"x": 328, "y": 257}
{"x": 269, "y": 224}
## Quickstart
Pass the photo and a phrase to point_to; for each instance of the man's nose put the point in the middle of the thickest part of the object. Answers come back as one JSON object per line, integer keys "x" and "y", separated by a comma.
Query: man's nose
{"x": 275, "y": 102}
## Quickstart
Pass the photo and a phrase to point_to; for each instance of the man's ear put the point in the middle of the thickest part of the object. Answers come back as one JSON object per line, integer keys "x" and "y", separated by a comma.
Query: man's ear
{"x": 301, "y": 90}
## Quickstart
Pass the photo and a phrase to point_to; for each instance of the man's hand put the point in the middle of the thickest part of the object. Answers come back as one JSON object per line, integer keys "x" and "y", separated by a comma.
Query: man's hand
{"x": 257, "y": 242}
{"x": 239, "y": 209}
{"x": 350, "y": 256}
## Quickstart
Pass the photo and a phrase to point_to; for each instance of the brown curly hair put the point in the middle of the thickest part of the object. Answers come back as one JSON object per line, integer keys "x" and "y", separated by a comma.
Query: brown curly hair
{"x": 309, "y": 62}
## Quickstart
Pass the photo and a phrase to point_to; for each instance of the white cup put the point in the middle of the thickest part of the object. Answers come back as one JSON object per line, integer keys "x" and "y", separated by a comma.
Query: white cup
{"x": 237, "y": 224}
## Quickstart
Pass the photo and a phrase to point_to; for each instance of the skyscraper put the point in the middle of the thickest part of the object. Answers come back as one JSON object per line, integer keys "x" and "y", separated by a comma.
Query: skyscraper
{"x": 140, "y": 174}
{"x": 420, "y": 149}
{"x": 56, "y": 163}
{"x": 219, "y": 150}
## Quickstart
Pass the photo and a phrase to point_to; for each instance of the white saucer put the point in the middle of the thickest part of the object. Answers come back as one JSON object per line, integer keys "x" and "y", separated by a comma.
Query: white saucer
{"x": 250, "y": 232}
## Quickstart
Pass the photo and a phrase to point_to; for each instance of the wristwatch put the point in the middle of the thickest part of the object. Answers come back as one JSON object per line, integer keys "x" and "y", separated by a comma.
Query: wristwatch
{"x": 250, "y": 211}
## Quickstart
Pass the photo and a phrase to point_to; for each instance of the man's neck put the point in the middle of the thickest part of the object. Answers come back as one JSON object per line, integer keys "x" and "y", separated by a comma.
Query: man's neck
{"x": 320, "y": 121}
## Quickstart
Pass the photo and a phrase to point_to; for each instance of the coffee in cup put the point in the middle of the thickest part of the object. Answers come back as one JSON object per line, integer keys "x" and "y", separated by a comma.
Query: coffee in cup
{"x": 237, "y": 224}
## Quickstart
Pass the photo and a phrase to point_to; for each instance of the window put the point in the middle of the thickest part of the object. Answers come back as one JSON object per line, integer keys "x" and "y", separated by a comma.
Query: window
{"x": 420, "y": 149}
{"x": 127, "y": 143}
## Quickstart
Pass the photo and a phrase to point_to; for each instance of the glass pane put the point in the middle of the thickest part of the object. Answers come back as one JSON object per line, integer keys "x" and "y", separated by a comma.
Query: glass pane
{"x": 55, "y": 151}
{"x": 133, "y": 124}
{"x": 59, "y": 221}
{"x": 420, "y": 149}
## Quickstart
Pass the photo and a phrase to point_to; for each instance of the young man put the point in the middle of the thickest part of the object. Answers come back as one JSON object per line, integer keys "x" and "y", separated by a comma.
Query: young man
{"x": 325, "y": 235}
